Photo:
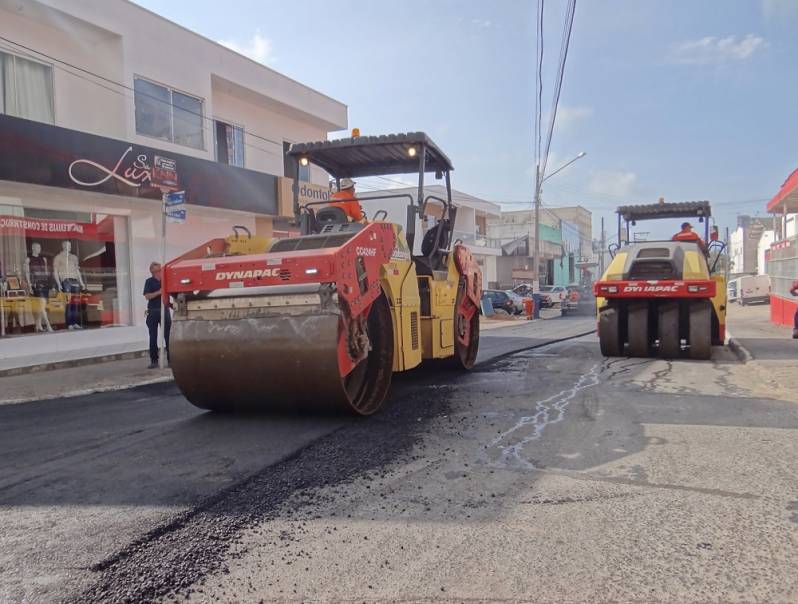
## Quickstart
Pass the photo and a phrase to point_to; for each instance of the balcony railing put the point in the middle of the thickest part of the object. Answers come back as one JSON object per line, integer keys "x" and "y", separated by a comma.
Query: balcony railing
{"x": 476, "y": 240}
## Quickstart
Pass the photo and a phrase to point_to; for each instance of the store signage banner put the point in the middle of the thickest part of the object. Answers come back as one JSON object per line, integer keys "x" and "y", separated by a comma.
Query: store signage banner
{"x": 31, "y": 152}
{"x": 41, "y": 227}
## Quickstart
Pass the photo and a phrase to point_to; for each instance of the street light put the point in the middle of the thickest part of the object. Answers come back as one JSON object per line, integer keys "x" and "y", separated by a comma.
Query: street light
{"x": 539, "y": 180}
{"x": 564, "y": 166}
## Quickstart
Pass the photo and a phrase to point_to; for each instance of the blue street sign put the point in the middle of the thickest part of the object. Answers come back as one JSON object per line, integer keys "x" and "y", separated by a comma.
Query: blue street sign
{"x": 175, "y": 206}
{"x": 173, "y": 215}
{"x": 175, "y": 199}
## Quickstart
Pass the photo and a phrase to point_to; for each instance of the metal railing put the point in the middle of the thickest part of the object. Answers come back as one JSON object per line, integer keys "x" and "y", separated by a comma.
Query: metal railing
{"x": 783, "y": 266}
{"x": 476, "y": 239}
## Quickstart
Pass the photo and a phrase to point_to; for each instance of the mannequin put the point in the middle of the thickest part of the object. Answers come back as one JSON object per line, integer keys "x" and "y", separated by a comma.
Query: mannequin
{"x": 38, "y": 279}
{"x": 69, "y": 280}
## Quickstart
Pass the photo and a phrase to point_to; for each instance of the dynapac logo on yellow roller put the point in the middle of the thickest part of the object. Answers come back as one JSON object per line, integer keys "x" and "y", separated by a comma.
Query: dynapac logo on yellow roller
{"x": 651, "y": 289}
{"x": 260, "y": 272}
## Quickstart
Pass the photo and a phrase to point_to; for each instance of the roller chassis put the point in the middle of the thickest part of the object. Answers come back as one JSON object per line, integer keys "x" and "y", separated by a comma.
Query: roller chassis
{"x": 661, "y": 298}
{"x": 320, "y": 321}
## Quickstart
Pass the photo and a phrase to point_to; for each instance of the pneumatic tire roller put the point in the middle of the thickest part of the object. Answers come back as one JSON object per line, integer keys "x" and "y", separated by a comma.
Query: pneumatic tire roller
{"x": 662, "y": 298}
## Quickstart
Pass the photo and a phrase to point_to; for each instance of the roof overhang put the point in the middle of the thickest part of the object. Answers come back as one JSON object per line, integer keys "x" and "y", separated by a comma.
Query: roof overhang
{"x": 786, "y": 200}
{"x": 374, "y": 155}
{"x": 653, "y": 211}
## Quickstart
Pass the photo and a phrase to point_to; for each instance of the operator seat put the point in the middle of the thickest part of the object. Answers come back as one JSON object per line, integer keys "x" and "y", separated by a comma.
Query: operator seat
{"x": 331, "y": 215}
{"x": 431, "y": 254}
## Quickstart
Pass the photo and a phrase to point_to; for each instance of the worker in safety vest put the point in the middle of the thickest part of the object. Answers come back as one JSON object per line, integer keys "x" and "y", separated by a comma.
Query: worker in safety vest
{"x": 688, "y": 234}
{"x": 346, "y": 200}
{"x": 794, "y": 292}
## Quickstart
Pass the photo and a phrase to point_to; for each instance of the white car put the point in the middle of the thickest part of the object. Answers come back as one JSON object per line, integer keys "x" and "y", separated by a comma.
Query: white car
{"x": 551, "y": 295}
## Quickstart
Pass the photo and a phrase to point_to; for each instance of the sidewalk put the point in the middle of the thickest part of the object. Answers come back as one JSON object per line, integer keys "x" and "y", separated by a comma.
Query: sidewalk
{"x": 771, "y": 352}
{"x": 70, "y": 347}
{"x": 750, "y": 327}
{"x": 80, "y": 380}
{"x": 487, "y": 324}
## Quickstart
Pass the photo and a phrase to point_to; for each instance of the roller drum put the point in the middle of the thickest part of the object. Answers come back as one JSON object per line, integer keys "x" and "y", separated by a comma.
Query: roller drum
{"x": 279, "y": 362}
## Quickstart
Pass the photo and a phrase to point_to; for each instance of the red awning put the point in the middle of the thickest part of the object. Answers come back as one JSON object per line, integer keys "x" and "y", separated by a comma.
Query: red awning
{"x": 787, "y": 197}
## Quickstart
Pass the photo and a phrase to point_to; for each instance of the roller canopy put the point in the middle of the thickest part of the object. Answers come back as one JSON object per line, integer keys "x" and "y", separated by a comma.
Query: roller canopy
{"x": 373, "y": 155}
{"x": 684, "y": 209}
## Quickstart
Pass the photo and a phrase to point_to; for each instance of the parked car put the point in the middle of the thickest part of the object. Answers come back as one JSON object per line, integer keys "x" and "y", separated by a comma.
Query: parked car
{"x": 506, "y": 301}
{"x": 552, "y": 295}
{"x": 731, "y": 290}
{"x": 524, "y": 290}
{"x": 753, "y": 289}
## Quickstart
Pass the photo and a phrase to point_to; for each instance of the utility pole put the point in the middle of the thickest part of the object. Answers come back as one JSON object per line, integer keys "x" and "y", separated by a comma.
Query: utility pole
{"x": 728, "y": 257}
{"x": 539, "y": 180}
{"x": 601, "y": 249}
{"x": 536, "y": 255}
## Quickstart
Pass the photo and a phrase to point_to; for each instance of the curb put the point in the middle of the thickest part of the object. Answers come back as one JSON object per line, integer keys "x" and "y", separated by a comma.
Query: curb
{"x": 87, "y": 391}
{"x": 83, "y": 361}
{"x": 740, "y": 351}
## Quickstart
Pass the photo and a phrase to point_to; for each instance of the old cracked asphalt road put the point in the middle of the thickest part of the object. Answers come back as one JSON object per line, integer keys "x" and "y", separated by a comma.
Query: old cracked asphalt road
{"x": 547, "y": 475}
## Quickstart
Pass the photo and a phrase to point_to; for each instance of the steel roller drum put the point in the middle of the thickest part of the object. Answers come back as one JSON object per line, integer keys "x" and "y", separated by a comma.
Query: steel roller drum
{"x": 259, "y": 363}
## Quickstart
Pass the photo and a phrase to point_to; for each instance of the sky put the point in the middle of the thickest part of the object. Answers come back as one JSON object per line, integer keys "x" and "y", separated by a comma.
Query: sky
{"x": 677, "y": 99}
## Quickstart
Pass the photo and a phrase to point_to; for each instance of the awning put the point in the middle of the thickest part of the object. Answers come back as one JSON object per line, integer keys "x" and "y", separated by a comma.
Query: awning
{"x": 786, "y": 200}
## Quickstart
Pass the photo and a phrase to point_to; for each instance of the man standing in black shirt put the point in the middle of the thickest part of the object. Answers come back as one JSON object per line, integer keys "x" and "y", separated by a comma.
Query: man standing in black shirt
{"x": 152, "y": 292}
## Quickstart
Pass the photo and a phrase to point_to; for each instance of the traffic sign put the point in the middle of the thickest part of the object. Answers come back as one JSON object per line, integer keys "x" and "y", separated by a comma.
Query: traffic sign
{"x": 174, "y": 206}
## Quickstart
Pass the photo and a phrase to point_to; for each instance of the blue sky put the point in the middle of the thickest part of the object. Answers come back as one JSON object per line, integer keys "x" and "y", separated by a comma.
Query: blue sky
{"x": 682, "y": 99}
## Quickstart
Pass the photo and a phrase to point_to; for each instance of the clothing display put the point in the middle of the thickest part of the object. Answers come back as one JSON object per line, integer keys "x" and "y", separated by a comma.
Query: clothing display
{"x": 65, "y": 265}
{"x": 39, "y": 276}
{"x": 63, "y": 268}
{"x": 72, "y": 313}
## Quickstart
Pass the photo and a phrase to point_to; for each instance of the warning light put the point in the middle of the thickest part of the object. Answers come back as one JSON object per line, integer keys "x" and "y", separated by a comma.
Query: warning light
{"x": 355, "y": 132}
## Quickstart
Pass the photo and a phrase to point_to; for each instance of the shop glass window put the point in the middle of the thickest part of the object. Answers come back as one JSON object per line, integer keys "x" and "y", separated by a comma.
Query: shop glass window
{"x": 26, "y": 88}
{"x": 229, "y": 144}
{"x": 187, "y": 116}
{"x": 168, "y": 115}
{"x": 62, "y": 271}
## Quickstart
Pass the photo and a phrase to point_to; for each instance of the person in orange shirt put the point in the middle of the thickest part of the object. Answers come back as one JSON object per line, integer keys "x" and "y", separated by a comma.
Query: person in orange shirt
{"x": 346, "y": 199}
{"x": 688, "y": 234}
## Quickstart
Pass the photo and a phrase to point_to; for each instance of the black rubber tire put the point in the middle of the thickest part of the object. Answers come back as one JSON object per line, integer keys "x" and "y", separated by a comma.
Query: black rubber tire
{"x": 639, "y": 341}
{"x": 668, "y": 329}
{"x": 700, "y": 327}
{"x": 609, "y": 330}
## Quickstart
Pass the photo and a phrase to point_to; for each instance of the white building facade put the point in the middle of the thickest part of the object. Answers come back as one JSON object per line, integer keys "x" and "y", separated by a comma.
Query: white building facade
{"x": 101, "y": 105}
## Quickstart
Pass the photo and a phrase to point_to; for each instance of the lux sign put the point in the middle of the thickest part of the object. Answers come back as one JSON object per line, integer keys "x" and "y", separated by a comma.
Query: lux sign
{"x": 135, "y": 175}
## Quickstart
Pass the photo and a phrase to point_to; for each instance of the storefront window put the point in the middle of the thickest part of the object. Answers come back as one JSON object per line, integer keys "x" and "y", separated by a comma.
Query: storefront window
{"x": 62, "y": 271}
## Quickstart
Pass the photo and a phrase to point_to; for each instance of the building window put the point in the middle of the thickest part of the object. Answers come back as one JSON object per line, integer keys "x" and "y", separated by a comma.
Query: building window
{"x": 290, "y": 165}
{"x": 168, "y": 114}
{"x": 26, "y": 88}
{"x": 229, "y": 143}
{"x": 62, "y": 271}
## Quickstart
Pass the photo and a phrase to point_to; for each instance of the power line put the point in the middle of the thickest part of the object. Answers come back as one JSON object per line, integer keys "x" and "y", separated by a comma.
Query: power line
{"x": 566, "y": 40}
